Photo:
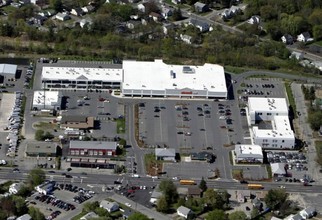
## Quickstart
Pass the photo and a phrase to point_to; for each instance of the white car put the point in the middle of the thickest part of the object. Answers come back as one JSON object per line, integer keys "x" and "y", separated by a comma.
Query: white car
{"x": 282, "y": 187}
{"x": 128, "y": 204}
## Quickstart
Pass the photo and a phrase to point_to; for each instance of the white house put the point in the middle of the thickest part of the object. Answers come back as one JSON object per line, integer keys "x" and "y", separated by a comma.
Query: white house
{"x": 62, "y": 16}
{"x": 297, "y": 55}
{"x": 287, "y": 39}
{"x": 186, "y": 38}
{"x": 109, "y": 206}
{"x": 86, "y": 21}
{"x": 307, "y": 213}
{"x": 304, "y": 37}
{"x": 88, "y": 9}
{"x": 77, "y": 12}
{"x": 15, "y": 187}
{"x": 184, "y": 212}
{"x": 24, "y": 217}
{"x": 255, "y": 19}
{"x": 141, "y": 7}
{"x": 166, "y": 12}
{"x": 248, "y": 154}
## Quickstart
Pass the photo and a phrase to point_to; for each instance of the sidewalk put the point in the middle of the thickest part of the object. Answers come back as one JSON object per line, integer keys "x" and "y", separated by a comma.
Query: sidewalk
{"x": 306, "y": 133}
{"x": 140, "y": 208}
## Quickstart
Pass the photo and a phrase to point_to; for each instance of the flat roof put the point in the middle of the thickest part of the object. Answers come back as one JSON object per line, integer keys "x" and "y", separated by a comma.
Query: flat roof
{"x": 156, "y": 75}
{"x": 281, "y": 128}
{"x": 8, "y": 69}
{"x": 260, "y": 104}
{"x": 95, "y": 145}
{"x": 41, "y": 147}
{"x": 248, "y": 149}
{"x": 46, "y": 98}
{"x": 82, "y": 73}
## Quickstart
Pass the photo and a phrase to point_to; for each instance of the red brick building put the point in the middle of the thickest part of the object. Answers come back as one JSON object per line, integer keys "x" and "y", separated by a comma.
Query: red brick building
{"x": 92, "y": 148}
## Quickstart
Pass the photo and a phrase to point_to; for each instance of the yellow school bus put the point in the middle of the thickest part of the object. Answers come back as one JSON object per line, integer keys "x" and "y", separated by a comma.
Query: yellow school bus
{"x": 187, "y": 182}
{"x": 255, "y": 186}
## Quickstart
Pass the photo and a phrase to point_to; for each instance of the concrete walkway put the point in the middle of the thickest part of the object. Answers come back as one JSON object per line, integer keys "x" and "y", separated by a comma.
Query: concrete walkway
{"x": 140, "y": 208}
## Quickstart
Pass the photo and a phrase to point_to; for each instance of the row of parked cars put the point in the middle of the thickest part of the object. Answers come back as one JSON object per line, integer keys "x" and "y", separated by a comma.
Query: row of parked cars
{"x": 52, "y": 200}
{"x": 53, "y": 215}
{"x": 14, "y": 124}
{"x": 82, "y": 195}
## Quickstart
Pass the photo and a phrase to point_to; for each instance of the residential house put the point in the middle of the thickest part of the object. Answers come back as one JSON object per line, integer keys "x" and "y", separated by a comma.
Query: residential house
{"x": 255, "y": 19}
{"x": 307, "y": 213}
{"x": 109, "y": 206}
{"x": 155, "y": 16}
{"x": 257, "y": 203}
{"x": 46, "y": 188}
{"x": 15, "y": 4}
{"x": 47, "y": 13}
{"x": 156, "y": 194}
{"x": 86, "y": 21}
{"x": 297, "y": 55}
{"x": 77, "y": 12}
{"x": 186, "y": 38}
{"x": 166, "y": 12}
{"x": 176, "y": 2}
{"x": 39, "y": 20}
{"x": 6, "y": 2}
{"x": 24, "y": 2}
{"x": 62, "y": 16}
{"x": 167, "y": 28}
{"x": 304, "y": 37}
{"x": 317, "y": 64}
{"x": 35, "y": 2}
{"x": 127, "y": 213}
{"x": 88, "y": 9}
{"x": 201, "y": 7}
{"x": 194, "y": 192}
{"x": 201, "y": 25}
{"x": 231, "y": 12}
{"x": 287, "y": 39}
{"x": 184, "y": 212}
{"x": 294, "y": 217}
{"x": 141, "y": 7}
{"x": 24, "y": 217}
{"x": 15, "y": 187}
{"x": 167, "y": 154}
{"x": 89, "y": 216}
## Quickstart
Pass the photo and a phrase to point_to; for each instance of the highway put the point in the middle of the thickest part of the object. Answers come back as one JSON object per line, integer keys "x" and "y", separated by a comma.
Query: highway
{"x": 101, "y": 180}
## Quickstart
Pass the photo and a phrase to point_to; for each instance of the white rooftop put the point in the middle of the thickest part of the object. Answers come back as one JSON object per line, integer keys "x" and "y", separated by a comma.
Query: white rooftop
{"x": 260, "y": 104}
{"x": 281, "y": 128}
{"x": 156, "y": 75}
{"x": 46, "y": 98}
{"x": 78, "y": 73}
{"x": 248, "y": 149}
{"x": 8, "y": 69}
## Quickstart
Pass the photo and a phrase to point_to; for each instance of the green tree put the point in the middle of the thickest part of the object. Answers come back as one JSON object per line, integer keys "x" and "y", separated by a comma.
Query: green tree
{"x": 35, "y": 213}
{"x": 57, "y": 5}
{"x": 102, "y": 212}
{"x": 275, "y": 198}
{"x": 316, "y": 17}
{"x": 237, "y": 215}
{"x": 217, "y": 214}
{"x": 169, "y": 191}
{"x": 317, "y": 32}
{"x": 203, "y": 185}
{"x": 90, "y": 206}
{"x": 20, "y": 205}
{"x": 213, "y": 200}
{"x": 162, "y": 205}
{"x": 177, "y": 14}
{"x": 254, "y": 213}
{"x": 24, "y": 191}
{"x": 138, "y": 216}
{"x": 315, "y": 119}
{"x": 39, "y": 135}
{"x": 36, "y": 177}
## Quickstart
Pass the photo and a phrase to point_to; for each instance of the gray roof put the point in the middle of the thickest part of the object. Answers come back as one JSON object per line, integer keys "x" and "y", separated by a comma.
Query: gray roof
{"x": 8, "y": 69}
{"x": 297, "y": 217}
{"x": 41, "y": 147}
{"x": 309, "y": 210}
{"x": 278, "y": 168}
{"x": 156, "y": 194}
{"x": 108, "y": 205}
{"x": 165, "y": 152}
{"x": 200, "y": 4}
{"x": 73, "y": 118}
{"x": 97, "y": 145}
{"x": 89, "y": 215}
{"x": 24, "y": 217}
{"x": 184, "y": 210}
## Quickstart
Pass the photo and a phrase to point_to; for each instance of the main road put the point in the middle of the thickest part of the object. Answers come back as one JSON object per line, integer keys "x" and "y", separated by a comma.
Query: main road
{"x": 106, "y": 180}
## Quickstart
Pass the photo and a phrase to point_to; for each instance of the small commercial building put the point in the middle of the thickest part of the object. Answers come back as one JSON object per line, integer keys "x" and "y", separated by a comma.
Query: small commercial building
{"x": 278, "y": 169}
{"x": 81, "y": 78}
{"x": 248, "y": 154}
{"x": 77, "y": 122}
{"x": 92, "y": 148}
{"x": 49, "y": 100}
{"x": 157, "y": 79}
{"x": 167, "y": 154}
{"x": 93, "y": 163}
{"x": 8, "y": 70}
{"x": 41, "y": 149}
{"x": 46, "y": 188}
{"x": 271, "y": 126}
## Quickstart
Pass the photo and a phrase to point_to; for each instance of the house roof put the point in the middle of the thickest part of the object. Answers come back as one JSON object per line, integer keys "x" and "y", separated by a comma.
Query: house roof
{"x": 197, "y": 22}
{"x": 89, "y": 215}
{"x": 199, "y": 4}
{"x": 108, "y": 205}
{"x": 24, "y": 217}
{"x": 165, "y": 152}
{"x": 306, "y": 34}
{"x": 97, "y": 145}
{"x": 278, "y": 168}
{"x": 184, "y": 210}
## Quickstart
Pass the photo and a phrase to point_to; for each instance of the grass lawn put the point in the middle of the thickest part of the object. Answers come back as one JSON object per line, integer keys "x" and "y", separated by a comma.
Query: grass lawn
{"x": 46, "y": 125}
{"x": 237, "y": 174}
{"x": 120, "y": 125}
{"x": 318, "y": 147}
{"x": 79, "y": 215}
{"x": 290, "y": 97}
{"x": 152, "y": 166}
{"x": 318, "y": 43}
